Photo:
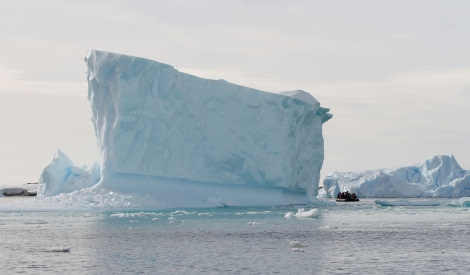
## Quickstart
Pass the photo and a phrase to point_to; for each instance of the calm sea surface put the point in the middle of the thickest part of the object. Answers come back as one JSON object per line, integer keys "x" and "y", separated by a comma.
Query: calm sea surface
{"x": 362, "y": 238}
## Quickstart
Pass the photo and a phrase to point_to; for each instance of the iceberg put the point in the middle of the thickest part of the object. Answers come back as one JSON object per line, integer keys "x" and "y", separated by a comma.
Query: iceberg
{"x": 189, "y": 141}
{"x": 438, "y": 177}
{"x": 62, "y": 176}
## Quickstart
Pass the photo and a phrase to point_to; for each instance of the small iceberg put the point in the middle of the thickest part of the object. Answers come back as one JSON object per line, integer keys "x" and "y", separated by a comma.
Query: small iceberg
{"x": 59, "y": 249}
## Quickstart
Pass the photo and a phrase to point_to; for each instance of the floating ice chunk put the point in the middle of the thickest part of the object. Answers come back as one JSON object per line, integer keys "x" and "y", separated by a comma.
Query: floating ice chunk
{"x": 407, "y": 202}
{"x": 289, "y": 215}
{"x": 294, "y": 244}
{"x": 181, "y": 212}
{"x": 462, "y": 202}
{"x": 301, "y": 213}
{"x": 60, "y": 249}
{"x": 95, "y": 198}
{"x": 312, "y": 213}
{"x": 296, "y": 249}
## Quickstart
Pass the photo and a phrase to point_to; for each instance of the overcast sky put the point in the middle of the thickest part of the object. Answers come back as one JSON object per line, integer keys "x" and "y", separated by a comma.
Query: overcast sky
{"x": 396, "y": 74}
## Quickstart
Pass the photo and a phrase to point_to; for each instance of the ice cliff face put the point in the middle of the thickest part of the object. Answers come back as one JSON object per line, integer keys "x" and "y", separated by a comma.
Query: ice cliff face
{"x": 440, "y": 177}
{"x": 154, "y": 121}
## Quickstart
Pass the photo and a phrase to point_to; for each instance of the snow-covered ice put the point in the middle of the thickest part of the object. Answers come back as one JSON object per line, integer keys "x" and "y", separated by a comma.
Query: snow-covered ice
{"x": 439, "y": 177}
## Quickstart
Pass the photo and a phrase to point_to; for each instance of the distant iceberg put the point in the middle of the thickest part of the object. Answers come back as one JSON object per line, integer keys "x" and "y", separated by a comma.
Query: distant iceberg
{"x": 188, "y": 140}
{"x": 439, "y": 177}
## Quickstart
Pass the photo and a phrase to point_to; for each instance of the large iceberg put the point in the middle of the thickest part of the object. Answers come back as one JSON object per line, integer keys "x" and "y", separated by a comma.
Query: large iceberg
{"x": 439, "y": 177}
{"x": 178, "y": 137}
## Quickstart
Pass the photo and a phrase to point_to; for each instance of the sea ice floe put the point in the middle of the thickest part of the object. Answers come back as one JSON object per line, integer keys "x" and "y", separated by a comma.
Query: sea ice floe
{"x": 407, "y": 202}
{"x": 301, "y": 213}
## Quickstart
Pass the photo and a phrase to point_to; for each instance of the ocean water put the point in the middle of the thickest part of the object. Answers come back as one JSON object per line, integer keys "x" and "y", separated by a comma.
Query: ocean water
{"x": 362, "y": 237}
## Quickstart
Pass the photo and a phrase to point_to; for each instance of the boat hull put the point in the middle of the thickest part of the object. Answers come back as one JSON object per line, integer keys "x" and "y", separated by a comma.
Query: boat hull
{"x": 345, "y": 200}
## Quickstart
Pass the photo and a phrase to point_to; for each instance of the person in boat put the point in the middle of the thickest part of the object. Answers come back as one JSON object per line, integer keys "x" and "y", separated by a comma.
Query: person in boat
{"x": 347, "y": 196}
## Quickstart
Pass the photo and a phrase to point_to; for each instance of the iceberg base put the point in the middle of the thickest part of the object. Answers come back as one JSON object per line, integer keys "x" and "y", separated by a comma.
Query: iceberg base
{"x": 171, "y": 193}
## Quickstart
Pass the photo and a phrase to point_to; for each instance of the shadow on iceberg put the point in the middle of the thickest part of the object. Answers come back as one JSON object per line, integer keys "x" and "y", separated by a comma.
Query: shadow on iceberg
{"x": 171, "y": 193}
